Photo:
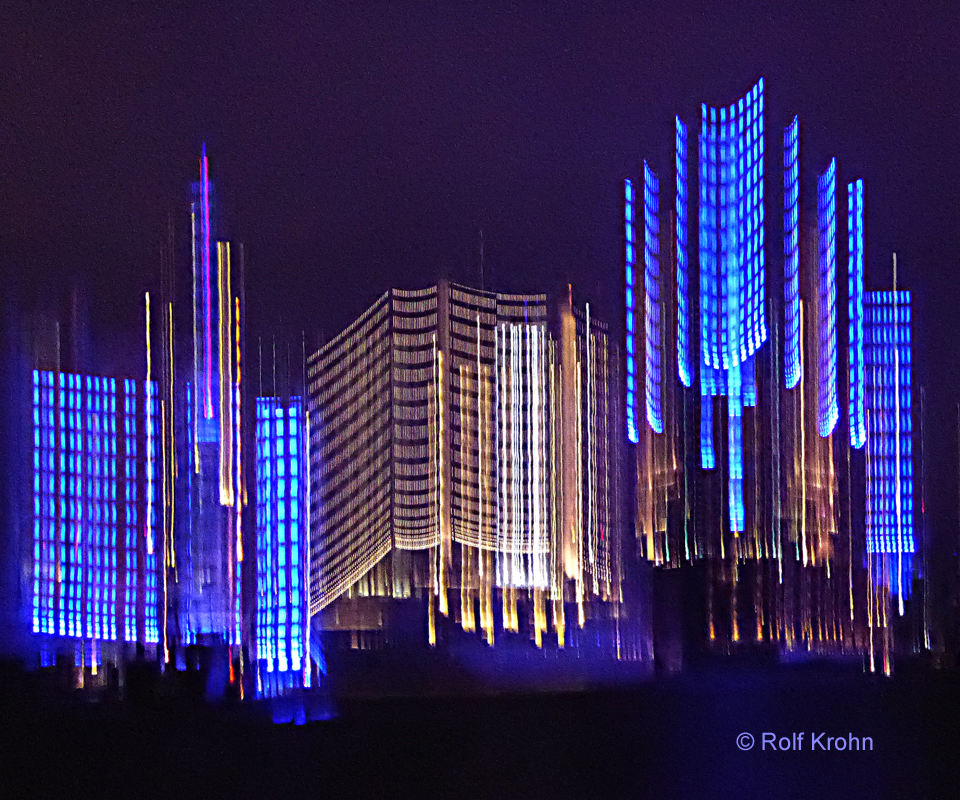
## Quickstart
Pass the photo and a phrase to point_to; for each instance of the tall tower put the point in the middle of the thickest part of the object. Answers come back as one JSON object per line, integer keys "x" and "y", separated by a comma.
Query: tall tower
{"x": 209, "y": 542}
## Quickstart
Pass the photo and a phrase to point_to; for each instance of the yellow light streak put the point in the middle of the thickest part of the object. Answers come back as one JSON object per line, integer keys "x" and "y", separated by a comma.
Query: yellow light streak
{"x": 148, "y": 527}
{"x": 442, "y": 530}
{"x": 172, "y": 457}
{"x": 239, "y": 438}
{"x": 226, "y": 376}
{"x": 896, "y": 469}
{"x": 196, "y": 350}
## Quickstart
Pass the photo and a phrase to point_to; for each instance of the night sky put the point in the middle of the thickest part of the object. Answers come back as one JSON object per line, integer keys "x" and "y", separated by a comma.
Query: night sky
{"x": 365, "y": 148}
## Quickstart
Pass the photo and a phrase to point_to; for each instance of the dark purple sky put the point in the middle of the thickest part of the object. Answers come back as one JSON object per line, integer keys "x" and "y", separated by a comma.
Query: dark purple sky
{"x": 359, "y": 149}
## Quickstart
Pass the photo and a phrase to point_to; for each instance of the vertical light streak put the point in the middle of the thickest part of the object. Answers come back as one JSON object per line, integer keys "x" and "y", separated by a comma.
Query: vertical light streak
{"x": 305, "y": 545}
{"x": 514, "y": 531}
{"x": 238, "y": 439}
{"x": 651, "y": 259}
{"x": 588, "y": 432}
{"x": 684, "y": 365}
{"x": 896, "y": 418}
{"x": 226, "y": 376}
{"x": 791, "y": 248}
{"x": 869, "y": 522}
{"x": 708, "y": 458}
{"x": 924, "y": 542}
{"x": 481, "y": 446}
{"x": 149, "y": 425}
{"x": 828, "y": 412}
{"x": 172, "y": 457}
{"x": 569, "y": 399}
{"x": 803, "y": 453}
{"x": 578, "y": 527}
{"x": 197, "y": 383}
{"x": 441, "y": 488}
{"x": 500, "y": 384}
{"x": 539, "y": 407}
{"x": 709, "y": 289}
{"x": 738, "y": 234}
{"x": 207, "y": 296}
{"x": 631, "y": 320}
{"x": 166, "y": 559}
{"x": 855, "y": 270}
{"x": 776, "y": 530}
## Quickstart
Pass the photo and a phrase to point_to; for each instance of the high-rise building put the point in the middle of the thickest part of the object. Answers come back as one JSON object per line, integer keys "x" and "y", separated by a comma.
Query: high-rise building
{"x": 282, "y": 624}
{"x": 467, "y": 451}
{"x": 95, "y": 490}
{"x": 889, "y": 460}
{"x": 204, "y": 383}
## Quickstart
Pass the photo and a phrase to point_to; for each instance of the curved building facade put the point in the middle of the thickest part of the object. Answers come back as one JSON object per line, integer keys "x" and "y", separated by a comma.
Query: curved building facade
{"x": 466, "y": 451}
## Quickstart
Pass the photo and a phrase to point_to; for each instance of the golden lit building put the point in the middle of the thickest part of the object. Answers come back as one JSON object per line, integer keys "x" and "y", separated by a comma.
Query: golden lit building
{"x": 465, "y": 449}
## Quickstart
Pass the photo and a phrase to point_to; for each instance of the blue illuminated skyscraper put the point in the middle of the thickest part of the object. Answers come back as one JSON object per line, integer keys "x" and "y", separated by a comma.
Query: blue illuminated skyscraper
{"x": 829, "y": 411}
{"x": 732, "y": 268}
{"x": 855, "y": 269}
{"x": 889, "y": 444}
{"x": 653, "y": 311}
{"x": 282, "y": 542}
{"x": 94, "y": 557}
{"x": 791, "y": 253}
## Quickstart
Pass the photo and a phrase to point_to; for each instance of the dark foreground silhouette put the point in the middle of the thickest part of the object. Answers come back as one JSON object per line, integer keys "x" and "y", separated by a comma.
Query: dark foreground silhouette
{"x": 668, "y": 737}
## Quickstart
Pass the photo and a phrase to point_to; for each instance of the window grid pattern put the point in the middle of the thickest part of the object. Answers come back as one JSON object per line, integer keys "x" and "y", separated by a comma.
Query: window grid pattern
{"x": 791, "y": 252}
{"x": 523, "y": 521}
{"x": 281, "y": 538}
{"x": 855, "y": 270}
{"x": 45, "y": 514}
{"x": 596, "y": 453}
{"x": 131, "y": 511}
{"x": 684, "y": 363}
{"x": 829, "y": 410}
{"x": 732, "y": 269}
{"x": 152, "y": 600}
{"x": 86, "y": 478}
{"x": 651, "y": 260}
{"x": 416, "y": 446}
{"x": 350, "y": 507}
{"x": 890, "y": 511}
{"x": 631, "y": 288}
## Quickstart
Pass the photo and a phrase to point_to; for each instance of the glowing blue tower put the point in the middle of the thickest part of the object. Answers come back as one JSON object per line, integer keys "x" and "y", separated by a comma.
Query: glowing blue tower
{"x": 732, "y": 264}
{"x": 684, "y": 365}
{"x": 791, "y": 253}
{"x": 631, "y": 294}
{"x": 829, "y": 409}
{"x": 651, "y": 260}
{"x": 855, "y": 265}
{"x": 96, "y": 546}
{"x": 282, "y": 541}
{"x": 887, "y": 368}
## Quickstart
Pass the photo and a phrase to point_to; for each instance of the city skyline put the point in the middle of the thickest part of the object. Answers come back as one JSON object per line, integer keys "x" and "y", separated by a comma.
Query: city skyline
{"x": 710, "y": 307}
{"x": 195, "y": 358}
{"x": 489, "y": 400}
